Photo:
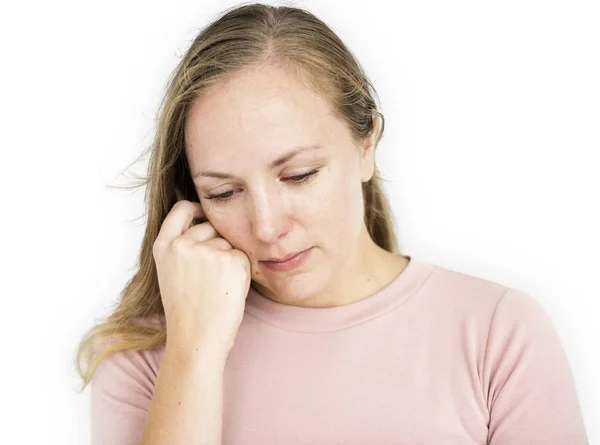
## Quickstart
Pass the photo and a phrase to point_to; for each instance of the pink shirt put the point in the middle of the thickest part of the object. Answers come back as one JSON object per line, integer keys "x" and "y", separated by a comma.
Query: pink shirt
{"x": 436, "y": 357}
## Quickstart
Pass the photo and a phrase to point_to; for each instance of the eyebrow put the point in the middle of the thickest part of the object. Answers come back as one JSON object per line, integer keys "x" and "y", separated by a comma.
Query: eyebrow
{"x": 276, "y": 163}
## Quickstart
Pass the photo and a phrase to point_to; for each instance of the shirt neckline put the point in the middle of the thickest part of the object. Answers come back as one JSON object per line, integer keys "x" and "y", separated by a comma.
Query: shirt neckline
{"x": 311, "y": 320}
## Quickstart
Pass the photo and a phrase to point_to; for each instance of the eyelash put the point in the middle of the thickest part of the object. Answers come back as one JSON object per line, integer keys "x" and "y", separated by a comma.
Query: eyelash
{"x": 303, "y": 179}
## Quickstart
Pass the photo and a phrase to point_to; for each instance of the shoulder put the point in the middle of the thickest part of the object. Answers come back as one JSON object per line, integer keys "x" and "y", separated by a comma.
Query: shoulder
{"x": 465, "y": 295}
{"x": 497, "y": 309}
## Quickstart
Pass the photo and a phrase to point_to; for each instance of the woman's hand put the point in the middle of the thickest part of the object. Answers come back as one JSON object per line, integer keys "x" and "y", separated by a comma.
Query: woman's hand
{"x": 203, "y": 280}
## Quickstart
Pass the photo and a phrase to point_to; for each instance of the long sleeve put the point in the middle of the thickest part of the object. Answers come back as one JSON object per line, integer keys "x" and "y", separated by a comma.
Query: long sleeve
{"x": 121, "y": 393}
{"x": 530, "y": 390}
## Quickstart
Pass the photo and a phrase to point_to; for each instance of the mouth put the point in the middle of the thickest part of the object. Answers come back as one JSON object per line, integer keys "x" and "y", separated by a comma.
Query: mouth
{"x": 289, "y": 262}
{"x": 284, "y": 258}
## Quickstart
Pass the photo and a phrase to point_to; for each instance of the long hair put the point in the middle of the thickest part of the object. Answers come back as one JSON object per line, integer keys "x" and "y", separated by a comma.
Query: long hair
{"x": 249, "y": 34}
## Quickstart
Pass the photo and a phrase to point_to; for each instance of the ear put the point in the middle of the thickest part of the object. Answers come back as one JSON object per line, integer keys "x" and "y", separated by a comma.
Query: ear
{"x": 367, "y": 158}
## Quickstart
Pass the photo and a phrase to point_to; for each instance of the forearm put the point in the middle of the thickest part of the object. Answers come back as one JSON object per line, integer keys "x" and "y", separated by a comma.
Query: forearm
{"x": 187, "y": 405}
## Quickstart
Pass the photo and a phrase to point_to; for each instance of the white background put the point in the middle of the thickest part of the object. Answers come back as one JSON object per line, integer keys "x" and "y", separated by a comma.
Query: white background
{"x": 491, "y": 149}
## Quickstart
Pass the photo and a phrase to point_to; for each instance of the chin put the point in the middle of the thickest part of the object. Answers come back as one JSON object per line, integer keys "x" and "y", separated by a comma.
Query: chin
{"x": 292, "y": 287}
{"x": 299, "y": 287}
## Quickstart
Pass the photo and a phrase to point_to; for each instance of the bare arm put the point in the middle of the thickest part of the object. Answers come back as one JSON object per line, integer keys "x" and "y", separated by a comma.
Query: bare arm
{"x": 187, "y": 406}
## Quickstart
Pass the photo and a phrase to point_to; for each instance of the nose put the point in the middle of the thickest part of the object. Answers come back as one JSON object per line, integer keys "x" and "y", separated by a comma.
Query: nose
{"x": 269, "y": 220}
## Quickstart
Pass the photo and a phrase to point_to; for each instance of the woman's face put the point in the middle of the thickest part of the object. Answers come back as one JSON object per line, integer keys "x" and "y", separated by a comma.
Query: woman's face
{"x": 234, "y": 134}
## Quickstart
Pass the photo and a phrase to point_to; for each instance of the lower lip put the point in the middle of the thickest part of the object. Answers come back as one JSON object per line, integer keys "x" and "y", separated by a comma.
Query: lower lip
{"x": 290, "y": 264}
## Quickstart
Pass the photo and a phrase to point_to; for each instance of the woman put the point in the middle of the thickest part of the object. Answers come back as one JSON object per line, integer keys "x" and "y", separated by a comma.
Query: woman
{"x": 286, "y": 315}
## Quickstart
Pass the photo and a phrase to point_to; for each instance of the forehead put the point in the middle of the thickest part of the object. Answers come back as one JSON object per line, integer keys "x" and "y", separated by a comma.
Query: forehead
{"x": 259, "y": 111}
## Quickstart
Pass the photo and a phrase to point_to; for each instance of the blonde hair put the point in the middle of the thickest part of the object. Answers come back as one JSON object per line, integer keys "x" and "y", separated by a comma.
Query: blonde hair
{"x": 250, "y": 34}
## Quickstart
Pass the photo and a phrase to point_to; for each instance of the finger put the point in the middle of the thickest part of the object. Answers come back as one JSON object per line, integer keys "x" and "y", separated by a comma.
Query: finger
{"x": 179, "y": 196}
{"x": 219, "y": 243}
{"x": 201, "y": 232}
{"x": 179, "y": 218}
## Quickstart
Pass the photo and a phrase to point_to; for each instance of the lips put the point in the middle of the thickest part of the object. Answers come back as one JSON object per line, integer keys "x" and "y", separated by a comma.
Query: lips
{"x": 284, "y": 258}
{"x": 294, "y": 262}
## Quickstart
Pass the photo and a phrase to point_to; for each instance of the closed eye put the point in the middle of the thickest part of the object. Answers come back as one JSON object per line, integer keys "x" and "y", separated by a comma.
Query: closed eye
{"x": 302, "y": 178}
{"x": 296, "y": 180}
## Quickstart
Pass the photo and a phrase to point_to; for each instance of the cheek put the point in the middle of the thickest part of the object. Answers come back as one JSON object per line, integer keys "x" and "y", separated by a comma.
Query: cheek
{"x": 230, "y": 229}
{"x": 340, "y": 208}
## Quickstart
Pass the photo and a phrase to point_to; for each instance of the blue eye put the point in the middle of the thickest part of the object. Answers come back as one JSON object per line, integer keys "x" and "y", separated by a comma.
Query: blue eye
{"x": 296, "y": 180}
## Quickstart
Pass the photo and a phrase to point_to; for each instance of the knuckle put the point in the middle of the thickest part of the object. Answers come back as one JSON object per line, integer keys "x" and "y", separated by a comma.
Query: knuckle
{"x": 179, "y": 244}
{"x": 157, "y": 247}
{"x": 183, "y": 203}
{"x": 240, "y": 258}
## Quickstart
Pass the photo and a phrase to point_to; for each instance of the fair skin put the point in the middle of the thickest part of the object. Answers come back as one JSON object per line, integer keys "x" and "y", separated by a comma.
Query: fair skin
{"x": 238, "y": 129}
